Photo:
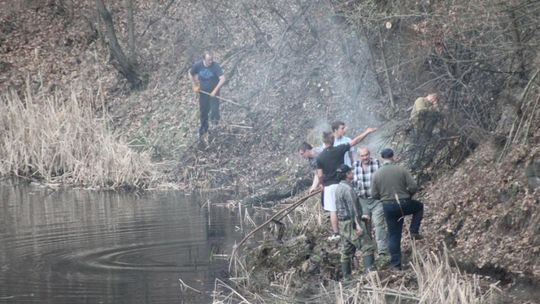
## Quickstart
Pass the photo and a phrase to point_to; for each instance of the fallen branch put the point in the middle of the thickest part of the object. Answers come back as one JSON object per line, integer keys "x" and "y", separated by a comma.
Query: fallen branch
{"x": 281, "y": 213}
{"x": 242, "y": 127}
{"x": 220, "y": 282}
{"x": 184, "y": 287}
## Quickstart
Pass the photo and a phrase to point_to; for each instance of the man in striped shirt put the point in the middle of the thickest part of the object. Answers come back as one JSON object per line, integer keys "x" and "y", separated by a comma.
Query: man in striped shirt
{"x": 363, "y": 171}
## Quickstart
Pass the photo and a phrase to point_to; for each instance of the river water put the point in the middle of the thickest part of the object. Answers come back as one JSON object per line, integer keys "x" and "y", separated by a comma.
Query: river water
{"x": 78, "y": 246}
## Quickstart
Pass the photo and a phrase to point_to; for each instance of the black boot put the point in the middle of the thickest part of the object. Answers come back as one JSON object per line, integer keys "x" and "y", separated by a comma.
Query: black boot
{"x": 368, "y": 262}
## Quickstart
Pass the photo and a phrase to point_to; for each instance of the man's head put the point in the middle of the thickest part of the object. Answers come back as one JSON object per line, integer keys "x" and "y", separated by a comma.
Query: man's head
{"x": 364, "y": 155}
{"x": 344, "y": 172}
{"x": 338, "y": 127}
{"x": 328, "y": 139}
{"x": 305, "y": 150}
{"x": 433, "y": 98}
{"x": 208, "y": 59}
{"x": 387, "y": 154}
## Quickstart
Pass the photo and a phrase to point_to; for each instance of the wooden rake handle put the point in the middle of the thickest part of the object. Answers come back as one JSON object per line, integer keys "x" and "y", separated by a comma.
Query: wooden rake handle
{"x": 224, "y": 99}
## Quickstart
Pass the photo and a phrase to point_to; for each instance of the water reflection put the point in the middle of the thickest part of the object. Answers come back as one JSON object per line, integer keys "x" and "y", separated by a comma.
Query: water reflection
{"x": 88, "y": 247}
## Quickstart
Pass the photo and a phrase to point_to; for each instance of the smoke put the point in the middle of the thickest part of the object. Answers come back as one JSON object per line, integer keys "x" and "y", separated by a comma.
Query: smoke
{"x": 295, "y": 65}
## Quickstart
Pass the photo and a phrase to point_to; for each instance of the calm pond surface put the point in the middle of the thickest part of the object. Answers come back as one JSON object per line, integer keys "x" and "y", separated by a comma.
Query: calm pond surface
{"x": 80, "y": 246}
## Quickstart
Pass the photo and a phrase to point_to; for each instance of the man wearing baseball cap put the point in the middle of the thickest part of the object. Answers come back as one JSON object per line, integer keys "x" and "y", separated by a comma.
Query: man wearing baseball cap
{"x": 394, "y": 186}
{"x": 353, "y": 231}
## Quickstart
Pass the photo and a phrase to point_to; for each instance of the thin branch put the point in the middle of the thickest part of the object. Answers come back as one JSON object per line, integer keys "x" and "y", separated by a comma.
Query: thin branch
{"x": 152, "y": 22}
{"x": 388, "y": 82}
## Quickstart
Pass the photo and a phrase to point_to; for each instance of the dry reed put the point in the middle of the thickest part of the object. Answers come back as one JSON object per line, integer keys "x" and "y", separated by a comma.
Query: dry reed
{"x": 437, "y": 281}
{"x": 60, "y": 140}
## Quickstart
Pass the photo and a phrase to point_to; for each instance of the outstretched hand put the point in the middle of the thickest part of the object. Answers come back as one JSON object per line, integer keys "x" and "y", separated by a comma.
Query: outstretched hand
{"x": 371, "y": 130}
{"x": 360, "y": 137}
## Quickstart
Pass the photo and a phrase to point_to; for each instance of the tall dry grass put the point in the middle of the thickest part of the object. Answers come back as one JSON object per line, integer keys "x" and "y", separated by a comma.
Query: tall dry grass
{"x": 434, "y": 278}
{"x": 438, "y": 282}
{"x": 57, "y": 138}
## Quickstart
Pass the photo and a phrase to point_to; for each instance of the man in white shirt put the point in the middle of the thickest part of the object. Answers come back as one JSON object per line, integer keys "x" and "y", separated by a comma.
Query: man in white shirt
{"x": 339, "y": 129}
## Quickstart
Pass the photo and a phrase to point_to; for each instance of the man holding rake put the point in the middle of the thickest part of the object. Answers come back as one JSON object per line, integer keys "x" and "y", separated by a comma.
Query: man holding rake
{"x": 207, "y": 78}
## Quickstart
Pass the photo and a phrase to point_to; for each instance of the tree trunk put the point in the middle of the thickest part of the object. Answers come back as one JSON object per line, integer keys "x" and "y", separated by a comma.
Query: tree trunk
{"x": 131, "y": 33}
{"x": 120, "y": 62}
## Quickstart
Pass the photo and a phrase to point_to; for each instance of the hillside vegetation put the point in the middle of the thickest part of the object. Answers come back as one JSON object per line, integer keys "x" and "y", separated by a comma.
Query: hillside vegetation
{"x": 69, "y": 116}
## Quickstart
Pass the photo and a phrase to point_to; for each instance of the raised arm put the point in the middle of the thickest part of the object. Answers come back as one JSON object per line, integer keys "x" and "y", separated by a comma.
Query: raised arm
{"x": 360, "y": 137}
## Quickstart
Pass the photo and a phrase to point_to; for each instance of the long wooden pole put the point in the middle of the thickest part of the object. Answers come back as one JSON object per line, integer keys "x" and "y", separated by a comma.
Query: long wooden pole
{"x": 280, "y": 213}
{"x": 225, "y": 99}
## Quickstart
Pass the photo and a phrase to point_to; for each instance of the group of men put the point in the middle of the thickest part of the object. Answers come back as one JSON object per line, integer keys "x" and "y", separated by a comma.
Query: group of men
{"x": 363, "y": 194}
{"x": 357, "y": 194}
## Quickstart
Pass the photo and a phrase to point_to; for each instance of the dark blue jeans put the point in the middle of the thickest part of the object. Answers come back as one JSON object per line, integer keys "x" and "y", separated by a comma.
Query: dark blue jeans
{"x": 394, "y": 214}
{"x": 208, "y": 105}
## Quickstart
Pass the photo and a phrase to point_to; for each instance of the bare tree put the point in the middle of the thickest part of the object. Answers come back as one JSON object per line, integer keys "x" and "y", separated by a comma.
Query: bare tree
{"x": 120, "y": 62}
{"x": 131, "y": 33}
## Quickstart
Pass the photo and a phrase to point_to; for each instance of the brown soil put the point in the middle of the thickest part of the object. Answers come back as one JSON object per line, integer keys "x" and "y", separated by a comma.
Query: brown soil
{"x": 485, "y": 214}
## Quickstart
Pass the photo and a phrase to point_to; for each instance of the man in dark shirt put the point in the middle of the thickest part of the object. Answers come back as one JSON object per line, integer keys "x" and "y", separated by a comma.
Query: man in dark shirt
{"x": 327, "y": 163}
{"x": 394, "y": 186}
{"x": 207, "y": 78}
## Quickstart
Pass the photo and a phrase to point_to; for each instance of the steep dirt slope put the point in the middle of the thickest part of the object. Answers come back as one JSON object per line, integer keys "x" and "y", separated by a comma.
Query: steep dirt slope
{"x": 52, "y": 47}
{"x": 485, "y": 213}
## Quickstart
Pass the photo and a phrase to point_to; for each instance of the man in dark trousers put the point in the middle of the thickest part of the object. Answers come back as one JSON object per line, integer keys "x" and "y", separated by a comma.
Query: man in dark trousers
{"x": 207, "y": 78}
{"x": 394, "y": 186}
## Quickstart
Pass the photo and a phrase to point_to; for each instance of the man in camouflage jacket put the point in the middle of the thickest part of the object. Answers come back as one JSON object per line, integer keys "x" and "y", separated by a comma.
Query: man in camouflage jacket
{"x": 353, "y": 232}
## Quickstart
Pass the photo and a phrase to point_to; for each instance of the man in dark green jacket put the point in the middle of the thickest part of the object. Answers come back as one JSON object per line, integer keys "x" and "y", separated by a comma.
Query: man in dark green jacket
{"x": 394, "y": 186}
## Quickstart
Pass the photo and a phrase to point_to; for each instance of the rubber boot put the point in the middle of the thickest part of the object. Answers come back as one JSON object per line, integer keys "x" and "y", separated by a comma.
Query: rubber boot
{"x": 368, "y": 262}
{"x": 347, "y": 270}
